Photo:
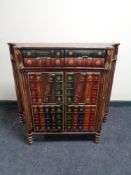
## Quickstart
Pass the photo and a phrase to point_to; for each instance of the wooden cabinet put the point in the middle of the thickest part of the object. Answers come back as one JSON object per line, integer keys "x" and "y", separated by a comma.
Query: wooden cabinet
{"x": 63, "y": 88}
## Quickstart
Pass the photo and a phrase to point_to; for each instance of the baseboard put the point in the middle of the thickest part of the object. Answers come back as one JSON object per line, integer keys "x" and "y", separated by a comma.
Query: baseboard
{"x": 112, "y": 103}
{"x": 8, "y": 103}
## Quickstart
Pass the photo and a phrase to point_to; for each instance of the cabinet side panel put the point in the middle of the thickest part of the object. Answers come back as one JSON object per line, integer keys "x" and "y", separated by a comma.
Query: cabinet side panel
{"x": 110, "y": 79}
{"x": 17, "y": 83}
{"x": 109, "y": 88}
{"x": 100, "y": 104}
{"x": 26, "y": 99}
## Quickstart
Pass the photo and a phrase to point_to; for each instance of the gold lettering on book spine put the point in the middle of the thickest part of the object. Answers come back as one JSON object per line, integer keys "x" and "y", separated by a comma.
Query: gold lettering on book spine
{"x": 57, "y": 61}
{"x": 71, "y": 62}
{"x": 98, "y": 62}
{"x": 29, "y": 62}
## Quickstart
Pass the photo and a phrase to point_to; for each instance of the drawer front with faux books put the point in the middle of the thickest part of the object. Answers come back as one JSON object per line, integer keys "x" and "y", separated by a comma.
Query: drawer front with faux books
{"x": 82, "y": 88}
{"x": 47, "y": 117}
{"x": 64, "y": 58}
{"x": 46, "y": 87}
{"x": 80, "y": 118}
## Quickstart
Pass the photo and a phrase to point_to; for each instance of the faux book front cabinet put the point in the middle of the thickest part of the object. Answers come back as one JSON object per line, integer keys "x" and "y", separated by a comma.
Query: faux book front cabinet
{"x": 63, "y": 88}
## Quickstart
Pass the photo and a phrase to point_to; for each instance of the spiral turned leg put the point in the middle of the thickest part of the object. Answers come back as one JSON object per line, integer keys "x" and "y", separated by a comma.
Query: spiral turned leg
{"x": 97, "y": 138}
{"x": 30, "y": 138}
{"x": 105, "y": 118}
{"x": 21, "y": 120}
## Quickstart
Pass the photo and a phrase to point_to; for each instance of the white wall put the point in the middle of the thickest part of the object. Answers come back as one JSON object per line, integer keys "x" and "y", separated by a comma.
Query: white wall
{"x": 66, "y": 21}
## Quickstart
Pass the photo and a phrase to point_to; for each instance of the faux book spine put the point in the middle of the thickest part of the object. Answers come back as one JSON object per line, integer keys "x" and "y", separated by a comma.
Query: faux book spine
{"x": 79, "y": 88}
{"x": 63, "y": 53}
{"x": 80, "y": 118}
{"x": 69, "y": 62}
{"x": 85, "y": 52}
{"x": 91, "y": 88}
{"x": 47, "y": 118}
{"x": 42, "y": 53}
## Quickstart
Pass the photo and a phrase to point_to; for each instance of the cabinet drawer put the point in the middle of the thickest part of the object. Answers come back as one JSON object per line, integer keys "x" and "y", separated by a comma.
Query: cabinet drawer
{"x": 66, "y": 58}
{"x": 58, "y": 53}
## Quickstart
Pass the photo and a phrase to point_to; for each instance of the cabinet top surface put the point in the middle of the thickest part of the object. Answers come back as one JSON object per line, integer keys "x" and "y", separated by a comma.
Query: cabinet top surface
{"x": 64, "y": 45}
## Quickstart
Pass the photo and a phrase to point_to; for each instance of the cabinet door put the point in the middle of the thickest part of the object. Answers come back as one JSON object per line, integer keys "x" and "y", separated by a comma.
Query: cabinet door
{"x": 81, "y": 95}
{"x": 46, "y": 88}
{"x": 82, "y": 88}
{"x": 46, "y": 94}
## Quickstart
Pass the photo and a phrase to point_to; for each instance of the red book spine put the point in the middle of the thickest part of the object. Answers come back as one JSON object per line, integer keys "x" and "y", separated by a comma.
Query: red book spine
{"x": 43, "y": 62}
{"x": 88, "y": 88}
{"x": 36, "y": 118}
{"x": 36, "y": 86}
{"x": 71, "y": 62}
{"x": 42, "y": 118}
{"x": 86, "y": 118}
{"x": 31, "y": 62}
{"x": 49, "y": 87}
{"x": 92, "y": 119}
{"x": 80, "y": 61}
{"x": 40, "y": 88}
{"x": 57, "y": 62}
{"x": 79, "y": 88}
{"x": 89, "y": 62}
{"x": 99, "y": 62}
{"x": 94, "y": 91}
{"x": 48, "y": 62}
{"x": 33, "y": 87}
{"x": 93, "y": 62}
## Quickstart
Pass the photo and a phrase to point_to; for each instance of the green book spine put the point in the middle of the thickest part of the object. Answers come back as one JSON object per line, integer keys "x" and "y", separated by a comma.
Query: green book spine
{"x": 38, "y": 53}
{"x": 59, "y": 117}
{"x": 70, "y": 53}
{"x": 69, "y": 88}
{"x": 58, "y": 88}
{"x": 32, "y": 53}
{"x": 69, "y": 117}
{"x": 86, "y": 53}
